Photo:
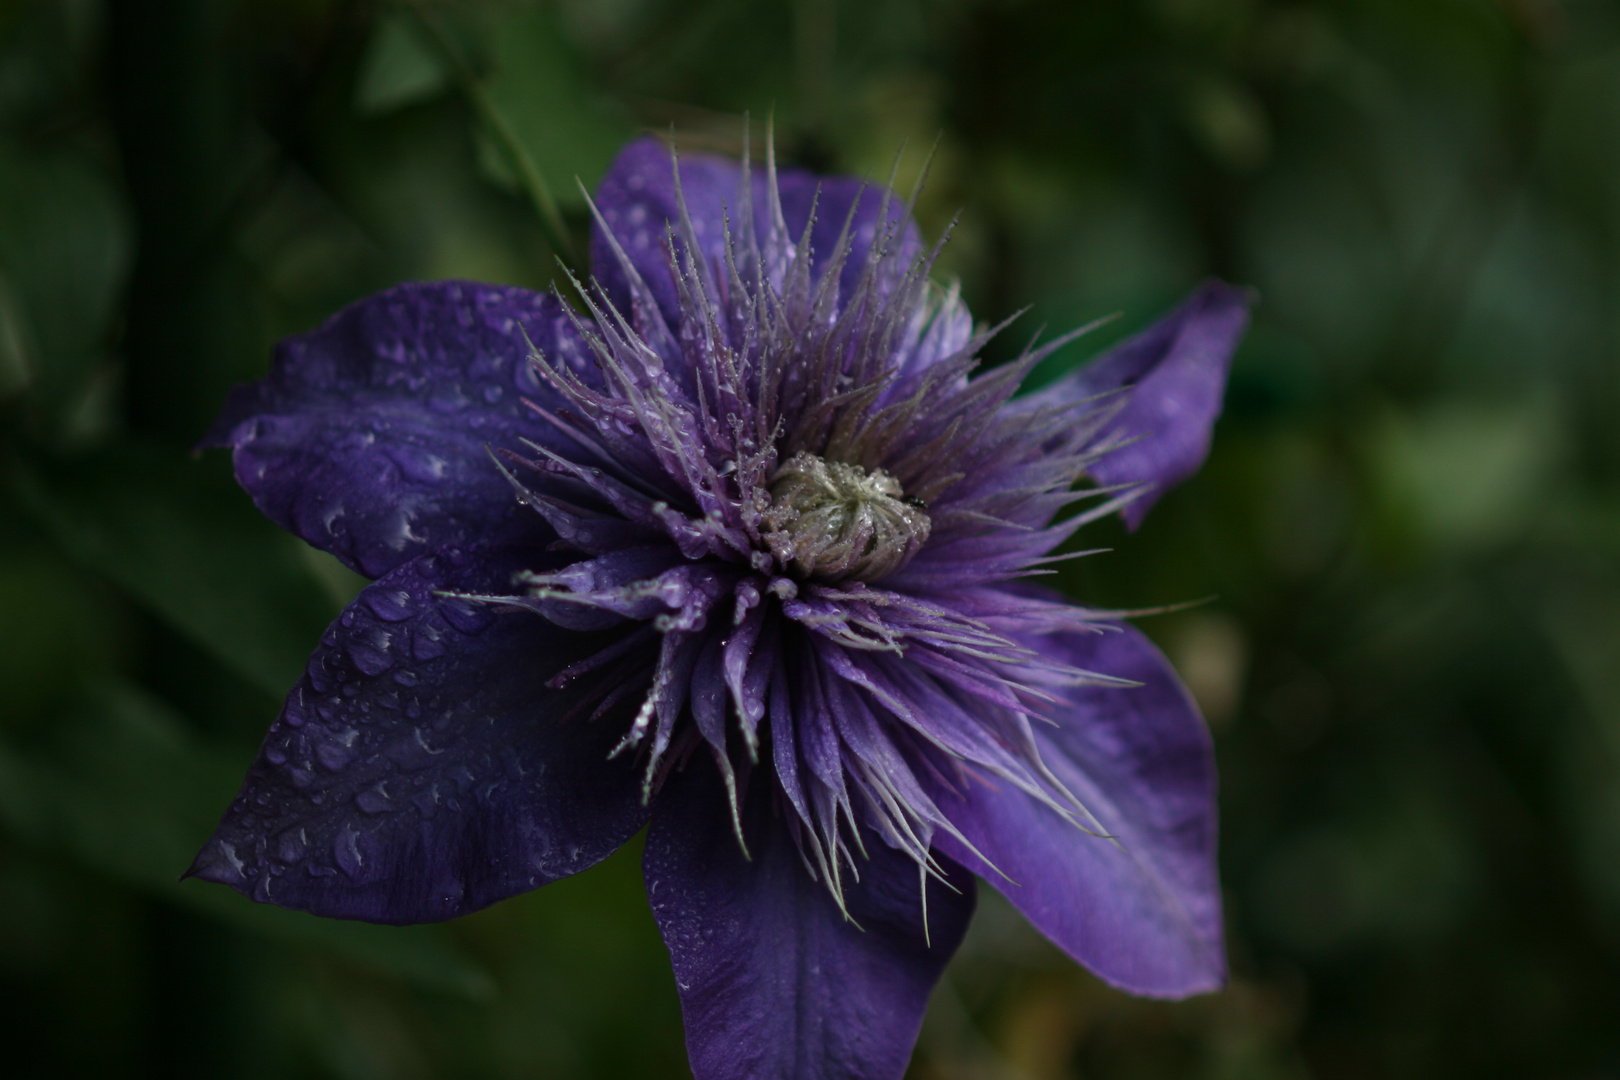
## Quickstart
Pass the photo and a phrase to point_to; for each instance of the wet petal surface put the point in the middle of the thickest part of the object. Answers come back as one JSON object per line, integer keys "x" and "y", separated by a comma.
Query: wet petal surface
{"x": 774, "y": 981}
{"x": 1174, "y": 373}
{"x": 367, "y": 439}
{"x": 1141, "y": 910}
{"x": 637, "y": 199}
{"x": 423, "y": 767}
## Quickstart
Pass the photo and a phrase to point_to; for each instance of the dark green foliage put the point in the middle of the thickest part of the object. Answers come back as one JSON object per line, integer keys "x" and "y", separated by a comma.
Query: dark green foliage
{"x": 1410, "y": 523}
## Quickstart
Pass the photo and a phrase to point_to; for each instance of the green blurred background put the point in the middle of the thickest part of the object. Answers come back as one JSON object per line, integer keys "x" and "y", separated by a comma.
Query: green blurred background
{"x": 1410, "y": 523}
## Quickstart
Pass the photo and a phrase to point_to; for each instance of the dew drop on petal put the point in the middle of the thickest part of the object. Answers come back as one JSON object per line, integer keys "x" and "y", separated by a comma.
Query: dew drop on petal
{"x": 374, "y": 800}
{"x": 390, "y": 605}
{"x": 346, "y": 850}
{"x": 370, "y": 660}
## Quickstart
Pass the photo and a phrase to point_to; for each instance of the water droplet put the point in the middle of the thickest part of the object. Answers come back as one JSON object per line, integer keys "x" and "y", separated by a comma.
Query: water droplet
{"x": 448, "y": 399}
{"x": 333, "y": 755}
{"x": 390, "y": 605}
{"x": 426, "y": 644}
{"x": 370, "y": 660}
{"x": 346, "y": 850}
{"x": 467, "y": 617}
{"x": 418, "y": 464}
{"x": 291, "y": 844}
{"x": 374, "y": 800}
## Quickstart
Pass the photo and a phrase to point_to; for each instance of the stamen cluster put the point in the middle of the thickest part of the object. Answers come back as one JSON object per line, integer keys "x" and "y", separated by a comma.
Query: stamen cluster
{"x": 810, "y": 500}
{"x": 835, "y": 521}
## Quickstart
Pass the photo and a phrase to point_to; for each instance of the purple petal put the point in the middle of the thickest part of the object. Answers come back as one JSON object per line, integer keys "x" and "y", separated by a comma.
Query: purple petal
{"x": 1142, "y": 911}
{"x": 774, "y": 982}
{"x": 637, "y": 199}
{"x": 422, "y": 768}
{"x": 367, "y": 439}
{"x": 1176, "y": 371}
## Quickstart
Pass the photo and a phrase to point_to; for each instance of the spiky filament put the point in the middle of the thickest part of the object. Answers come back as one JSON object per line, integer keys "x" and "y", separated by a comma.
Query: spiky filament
{"x": 817, "y": 509}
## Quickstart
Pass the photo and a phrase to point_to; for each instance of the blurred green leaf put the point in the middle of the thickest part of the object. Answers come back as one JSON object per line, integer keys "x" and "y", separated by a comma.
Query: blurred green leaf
{"x": 57, "y": 626}
{"x": 540, "y": 93}
{"x": 121, "y": 787}
{"x": 1580, "y": 616}
{"x": 179, "y": 535}
{"x": 65, "y": 243}
{"x": 400, "y": 68}
{"x": 16, "y": 362}
{"x": 521, "y": 163}
{"x": 1468, "y": 475}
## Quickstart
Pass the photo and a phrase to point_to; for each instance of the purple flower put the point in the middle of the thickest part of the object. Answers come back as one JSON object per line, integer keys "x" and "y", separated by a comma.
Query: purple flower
{"x": 738, "y": 554}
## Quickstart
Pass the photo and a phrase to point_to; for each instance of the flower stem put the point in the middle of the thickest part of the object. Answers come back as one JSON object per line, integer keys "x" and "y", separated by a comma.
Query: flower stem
{"x": 529, "y": 176}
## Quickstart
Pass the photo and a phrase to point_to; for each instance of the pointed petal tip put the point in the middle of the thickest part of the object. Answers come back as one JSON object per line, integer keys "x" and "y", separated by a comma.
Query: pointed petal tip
{"x": 1221, "y": 290}
{"x": 1143, "y": 912}
{"x": 216, "y": 863}
{"x": 407, "y": 779}
{"x": 1175, "y": 372}
{"x": 1208, "y": 977}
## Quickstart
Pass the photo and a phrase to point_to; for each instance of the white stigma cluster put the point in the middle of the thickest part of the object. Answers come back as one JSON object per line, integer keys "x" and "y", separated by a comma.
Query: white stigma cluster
{"x": 836, "y": 522}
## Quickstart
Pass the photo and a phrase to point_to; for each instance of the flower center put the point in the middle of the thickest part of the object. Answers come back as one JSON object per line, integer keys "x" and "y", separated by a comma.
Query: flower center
{"x": 834, "y": 521}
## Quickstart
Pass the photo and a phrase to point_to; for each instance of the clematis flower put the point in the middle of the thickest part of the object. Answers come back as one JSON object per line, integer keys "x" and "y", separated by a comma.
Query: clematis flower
{"x": 743, "y": 552}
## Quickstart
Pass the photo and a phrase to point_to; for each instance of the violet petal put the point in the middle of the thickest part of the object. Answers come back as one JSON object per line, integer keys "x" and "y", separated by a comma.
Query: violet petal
{"x": 1143, "y": 910}
{"x": 367, "y": 439}
{"x": 774, "y": 982}
{"x": 637, "y": 199}
{"x": 422, "y": 768}
{"x": 1175, "y": 372}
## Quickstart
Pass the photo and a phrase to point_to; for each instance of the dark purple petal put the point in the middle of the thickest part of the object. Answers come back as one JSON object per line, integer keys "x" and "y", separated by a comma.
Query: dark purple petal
{"x": 1143, "y": 911}
{"x": 774, "y": 981}
{"x": 422, "y": 768}
{"x": 1176, "y": 374}
{"x": 367, "y": 438}
{"x": 637, "y": 199}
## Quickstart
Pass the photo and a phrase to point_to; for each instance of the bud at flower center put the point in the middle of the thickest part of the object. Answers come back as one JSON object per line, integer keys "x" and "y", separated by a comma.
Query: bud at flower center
{"x": 834, "y": 521}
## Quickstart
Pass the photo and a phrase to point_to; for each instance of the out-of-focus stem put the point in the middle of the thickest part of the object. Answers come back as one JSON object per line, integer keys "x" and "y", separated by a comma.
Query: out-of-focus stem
{"x": 529, "y": 175}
